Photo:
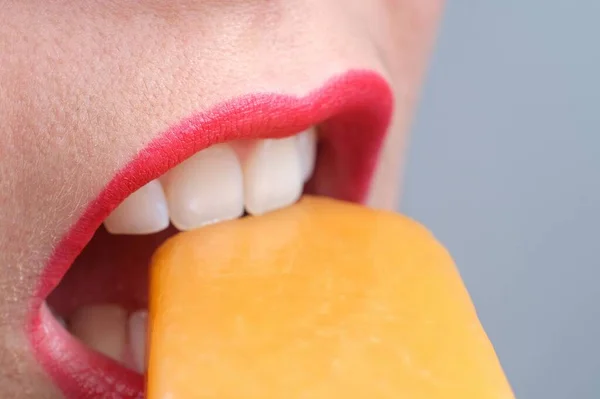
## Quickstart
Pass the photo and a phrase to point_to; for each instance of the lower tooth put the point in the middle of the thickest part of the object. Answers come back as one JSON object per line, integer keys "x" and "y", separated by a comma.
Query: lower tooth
{"x": 138, "y": 327}
{"x": 102, "y": 328}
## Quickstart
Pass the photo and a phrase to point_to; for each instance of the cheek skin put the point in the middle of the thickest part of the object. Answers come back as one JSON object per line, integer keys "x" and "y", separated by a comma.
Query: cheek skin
{"x": 85, "y": 85}
{"x": 413, "y": 35}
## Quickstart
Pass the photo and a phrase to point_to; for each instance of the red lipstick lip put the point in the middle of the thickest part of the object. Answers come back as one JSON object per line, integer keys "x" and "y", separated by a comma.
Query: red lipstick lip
{"x": 353, "y": 112}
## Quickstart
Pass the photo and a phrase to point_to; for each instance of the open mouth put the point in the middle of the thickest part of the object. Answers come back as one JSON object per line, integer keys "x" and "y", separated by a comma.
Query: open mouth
{"x": 247, "y": 156}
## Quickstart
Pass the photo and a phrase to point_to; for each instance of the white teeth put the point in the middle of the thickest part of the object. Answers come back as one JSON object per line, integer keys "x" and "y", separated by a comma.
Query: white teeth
{"x": 138, "y": 327}
{"x": 143, "y": 212}
{"x": 217, "y": 183}
{"x": 206, "y": 188}
{"x": 273, "y": 175}
{"x": 214, "y": 185}
{"x": 307, "y": 147}
{"x": 103, "y": 328}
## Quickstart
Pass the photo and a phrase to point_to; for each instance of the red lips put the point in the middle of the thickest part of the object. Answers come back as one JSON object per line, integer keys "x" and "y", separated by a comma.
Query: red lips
{"x": 352, "y": 111}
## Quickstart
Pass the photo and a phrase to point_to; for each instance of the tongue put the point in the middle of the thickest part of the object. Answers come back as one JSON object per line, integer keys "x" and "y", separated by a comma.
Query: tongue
{"x": 319, "y": 300}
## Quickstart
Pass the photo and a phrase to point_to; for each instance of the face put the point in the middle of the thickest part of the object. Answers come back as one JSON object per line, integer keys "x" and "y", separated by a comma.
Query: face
{"x": 125, "y": 121}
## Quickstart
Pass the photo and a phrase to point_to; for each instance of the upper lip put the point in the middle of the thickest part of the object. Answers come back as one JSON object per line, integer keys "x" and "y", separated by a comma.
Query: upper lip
{"x": 352, "y": 111}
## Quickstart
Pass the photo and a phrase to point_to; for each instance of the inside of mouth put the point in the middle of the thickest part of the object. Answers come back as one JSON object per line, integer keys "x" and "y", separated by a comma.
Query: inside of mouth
{"x": 103, "y": 297}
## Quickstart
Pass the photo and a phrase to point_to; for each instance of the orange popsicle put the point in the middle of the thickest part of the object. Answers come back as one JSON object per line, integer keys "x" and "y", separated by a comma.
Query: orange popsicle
{"x": 320, "y": 300}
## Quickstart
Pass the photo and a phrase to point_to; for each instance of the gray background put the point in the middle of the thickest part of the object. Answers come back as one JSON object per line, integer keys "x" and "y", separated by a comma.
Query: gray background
{"x": 504, "y": 167}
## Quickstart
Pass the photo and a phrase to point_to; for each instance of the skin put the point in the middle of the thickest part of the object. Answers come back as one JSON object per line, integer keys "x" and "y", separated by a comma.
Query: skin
{"x": 84, "y": 85}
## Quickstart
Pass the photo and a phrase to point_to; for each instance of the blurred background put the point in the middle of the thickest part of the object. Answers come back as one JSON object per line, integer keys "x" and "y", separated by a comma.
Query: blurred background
{"x": 504, "y": 168}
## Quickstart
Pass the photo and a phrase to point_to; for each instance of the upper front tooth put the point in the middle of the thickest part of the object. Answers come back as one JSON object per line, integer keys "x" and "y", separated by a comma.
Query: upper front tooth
{"x": 307, "y": 147}
{"x": 143, "y": 212}
{"x": 273, "y": 175}
{"x": 206, "y": 188}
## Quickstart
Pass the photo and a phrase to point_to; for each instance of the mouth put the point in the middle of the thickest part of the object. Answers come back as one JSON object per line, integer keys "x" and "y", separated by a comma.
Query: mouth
{"x": 246, "y": 156}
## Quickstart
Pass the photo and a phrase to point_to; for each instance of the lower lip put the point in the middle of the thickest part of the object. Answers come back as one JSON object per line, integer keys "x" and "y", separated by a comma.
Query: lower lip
{"x": 353, "y": 112}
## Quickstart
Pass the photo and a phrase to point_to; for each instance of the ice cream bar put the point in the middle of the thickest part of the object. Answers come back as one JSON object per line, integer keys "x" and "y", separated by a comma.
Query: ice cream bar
{"x": 320, "y": 300}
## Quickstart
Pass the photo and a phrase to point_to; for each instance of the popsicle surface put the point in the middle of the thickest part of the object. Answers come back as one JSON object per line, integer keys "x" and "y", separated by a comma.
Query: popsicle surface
{"x": 323, "y": 299}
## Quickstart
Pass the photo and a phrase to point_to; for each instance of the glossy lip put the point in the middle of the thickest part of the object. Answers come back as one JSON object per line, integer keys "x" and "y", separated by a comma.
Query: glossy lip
{"x": 353, "y": 112}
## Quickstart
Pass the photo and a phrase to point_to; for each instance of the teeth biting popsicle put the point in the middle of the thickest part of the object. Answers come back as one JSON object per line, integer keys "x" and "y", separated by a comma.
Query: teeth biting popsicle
{"x": 323, "y": 299}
